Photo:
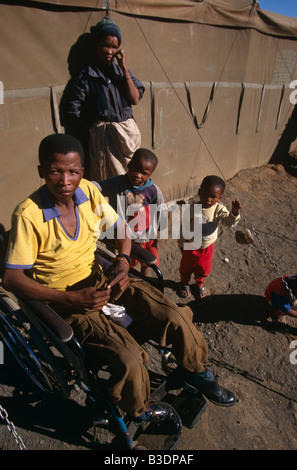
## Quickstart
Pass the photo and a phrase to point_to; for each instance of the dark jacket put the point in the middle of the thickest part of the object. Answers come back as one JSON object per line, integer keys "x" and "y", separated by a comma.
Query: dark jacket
{"x": 92, "y": 97}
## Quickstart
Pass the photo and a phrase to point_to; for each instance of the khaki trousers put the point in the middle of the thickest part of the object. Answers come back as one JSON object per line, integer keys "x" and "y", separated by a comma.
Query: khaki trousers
{"x": 157, "y": 318}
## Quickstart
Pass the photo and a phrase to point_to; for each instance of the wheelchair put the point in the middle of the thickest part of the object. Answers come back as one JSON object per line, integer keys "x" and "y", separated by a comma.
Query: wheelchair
{"x": 45, "y": 347}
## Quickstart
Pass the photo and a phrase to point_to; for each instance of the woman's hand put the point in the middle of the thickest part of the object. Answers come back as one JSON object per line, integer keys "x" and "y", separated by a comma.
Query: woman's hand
{"x": 121, "y": 58}
{"x": 132, "y": 94}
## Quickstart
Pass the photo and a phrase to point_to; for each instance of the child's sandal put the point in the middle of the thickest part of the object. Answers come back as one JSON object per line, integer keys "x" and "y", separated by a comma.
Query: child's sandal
{"x": 184, "y": 291}
{"x": 199, "y": 292}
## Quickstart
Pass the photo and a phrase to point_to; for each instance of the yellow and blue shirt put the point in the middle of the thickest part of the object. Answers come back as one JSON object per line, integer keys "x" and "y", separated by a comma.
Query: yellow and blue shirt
{"x": 40, "y": 245}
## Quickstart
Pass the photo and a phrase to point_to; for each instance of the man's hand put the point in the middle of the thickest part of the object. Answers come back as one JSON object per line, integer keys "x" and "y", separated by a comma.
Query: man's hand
{"x": 118, "y": 275}
{"x": 89, "y": 298}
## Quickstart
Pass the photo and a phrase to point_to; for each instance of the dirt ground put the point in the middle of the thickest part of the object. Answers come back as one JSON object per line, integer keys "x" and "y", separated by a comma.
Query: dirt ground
{"x": 249, "y": 352}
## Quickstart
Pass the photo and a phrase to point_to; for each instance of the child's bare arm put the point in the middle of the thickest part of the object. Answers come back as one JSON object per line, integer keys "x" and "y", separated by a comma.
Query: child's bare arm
{"x": 293, "y": 312}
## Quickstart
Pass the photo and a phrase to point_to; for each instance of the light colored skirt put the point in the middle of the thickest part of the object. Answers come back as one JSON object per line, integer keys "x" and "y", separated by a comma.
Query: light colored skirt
{"x": 112, "y": 145}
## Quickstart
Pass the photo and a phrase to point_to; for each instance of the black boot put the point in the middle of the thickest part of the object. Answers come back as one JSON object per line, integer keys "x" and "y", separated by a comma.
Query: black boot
{"x": 206, "y": 384}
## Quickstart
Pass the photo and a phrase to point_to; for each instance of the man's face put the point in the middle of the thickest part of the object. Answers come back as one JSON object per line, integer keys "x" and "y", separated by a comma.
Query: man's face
{"x": 62, "y": 175}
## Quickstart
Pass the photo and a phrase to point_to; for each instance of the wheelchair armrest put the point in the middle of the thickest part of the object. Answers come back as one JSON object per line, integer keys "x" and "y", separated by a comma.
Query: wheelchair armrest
{"x": 105, "y": 252}
{"x": 142, "y": 255}
{"x": 137, "y": 252}
{"x": 51, "y": 319}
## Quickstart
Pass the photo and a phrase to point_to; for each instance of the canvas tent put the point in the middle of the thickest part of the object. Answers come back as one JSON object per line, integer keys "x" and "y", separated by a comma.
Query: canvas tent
{"x": 217, "y": 76}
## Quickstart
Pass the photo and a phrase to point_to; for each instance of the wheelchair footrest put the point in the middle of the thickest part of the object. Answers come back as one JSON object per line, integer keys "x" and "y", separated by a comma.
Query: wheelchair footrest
{"x": 189, "y": 407}
{"x": 146, "y": 437}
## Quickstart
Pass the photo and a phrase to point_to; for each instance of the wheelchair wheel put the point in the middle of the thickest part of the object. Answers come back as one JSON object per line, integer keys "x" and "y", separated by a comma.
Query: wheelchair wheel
{"x": 31, "y": 350}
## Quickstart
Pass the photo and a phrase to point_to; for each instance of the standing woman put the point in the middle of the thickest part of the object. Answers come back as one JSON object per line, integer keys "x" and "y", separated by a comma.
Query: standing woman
{"x": 100, "y": 102}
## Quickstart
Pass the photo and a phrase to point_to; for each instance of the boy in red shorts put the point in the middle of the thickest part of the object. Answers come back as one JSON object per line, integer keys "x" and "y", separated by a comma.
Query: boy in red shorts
{"x": 199, "y": 261}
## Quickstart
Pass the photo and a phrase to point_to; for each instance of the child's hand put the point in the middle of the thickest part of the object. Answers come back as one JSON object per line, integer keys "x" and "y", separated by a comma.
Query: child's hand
{"x": 236, "y": 207}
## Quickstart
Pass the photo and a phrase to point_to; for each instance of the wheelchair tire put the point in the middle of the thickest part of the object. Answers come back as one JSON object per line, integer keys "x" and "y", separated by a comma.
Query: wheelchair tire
{"x": 31, "y": 349}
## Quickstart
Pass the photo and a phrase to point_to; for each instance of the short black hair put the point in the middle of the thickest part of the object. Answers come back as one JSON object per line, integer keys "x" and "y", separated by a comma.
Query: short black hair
{"x": 147, "y": 155}
{"x": 59, "y": 143}
{"x": 213, "y": 180}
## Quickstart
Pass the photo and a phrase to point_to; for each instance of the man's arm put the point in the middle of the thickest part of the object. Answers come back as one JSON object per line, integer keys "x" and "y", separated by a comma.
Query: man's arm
{"x": 121, "y": 266}
{"x": 122, "y": 238}
{"x": 16, "y": 281}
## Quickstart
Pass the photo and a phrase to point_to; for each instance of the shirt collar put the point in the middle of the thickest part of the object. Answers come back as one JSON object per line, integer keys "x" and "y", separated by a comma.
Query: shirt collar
{"x": 144, "y": 186}
{"x": 95, "y": 71}
{"x": 148, "y": 183}
{"x": 49, "y": 210}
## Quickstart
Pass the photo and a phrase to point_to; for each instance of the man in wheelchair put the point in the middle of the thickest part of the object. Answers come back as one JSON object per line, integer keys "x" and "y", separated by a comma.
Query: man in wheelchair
{"x": 51, "y": 257}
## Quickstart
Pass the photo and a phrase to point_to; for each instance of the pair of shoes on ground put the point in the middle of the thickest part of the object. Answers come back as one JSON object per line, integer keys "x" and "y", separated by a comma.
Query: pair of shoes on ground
{"x": 164, "y": 416}
{"x": 184, "y": 291}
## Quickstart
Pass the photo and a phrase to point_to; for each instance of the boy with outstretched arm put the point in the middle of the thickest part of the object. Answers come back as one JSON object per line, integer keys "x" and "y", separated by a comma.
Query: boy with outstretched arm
{"x": 199, "y": 261}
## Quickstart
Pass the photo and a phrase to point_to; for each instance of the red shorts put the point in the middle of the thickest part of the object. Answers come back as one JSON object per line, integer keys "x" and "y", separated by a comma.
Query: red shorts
{"x": 198, "y": 262}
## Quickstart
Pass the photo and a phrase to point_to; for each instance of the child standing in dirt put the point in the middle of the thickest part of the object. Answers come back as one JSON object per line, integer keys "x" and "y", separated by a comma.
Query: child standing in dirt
{"x": 199, "y": 261}
{"x": 278, "y": 296}
{"x": 139, "y": 193}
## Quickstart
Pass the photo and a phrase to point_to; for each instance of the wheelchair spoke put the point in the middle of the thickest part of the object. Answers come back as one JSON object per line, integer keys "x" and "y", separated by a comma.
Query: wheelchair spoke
{"x": 28, "y": 347}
